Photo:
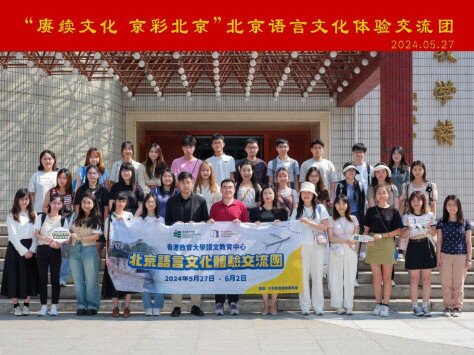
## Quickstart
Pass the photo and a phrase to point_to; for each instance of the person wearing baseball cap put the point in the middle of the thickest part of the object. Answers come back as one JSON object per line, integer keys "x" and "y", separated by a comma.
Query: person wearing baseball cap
{"x": 315, "y": 222}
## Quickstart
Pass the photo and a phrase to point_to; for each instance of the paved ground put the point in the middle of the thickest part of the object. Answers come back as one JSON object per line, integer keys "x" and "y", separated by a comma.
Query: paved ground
{"x": 251, "y": 333}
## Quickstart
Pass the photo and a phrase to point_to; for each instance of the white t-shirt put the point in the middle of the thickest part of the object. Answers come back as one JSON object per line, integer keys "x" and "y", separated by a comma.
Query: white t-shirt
{"x": 114, "y": 173}
{"x": 363, "y": 176}
{"x": 325, "y": 167}
{"x": 418, "y": 225}
{"x": 223, "y": 165}
{"x": 344, "y": 229}
{"x": 40, "y": 183}
{"x": 126, "y": 216}
{"x": 315, "y": 216}
{"x": 48, "y": 226}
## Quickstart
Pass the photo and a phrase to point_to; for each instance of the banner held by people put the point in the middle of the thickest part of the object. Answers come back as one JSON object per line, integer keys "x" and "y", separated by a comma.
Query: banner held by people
{"x": 206, "y": 258}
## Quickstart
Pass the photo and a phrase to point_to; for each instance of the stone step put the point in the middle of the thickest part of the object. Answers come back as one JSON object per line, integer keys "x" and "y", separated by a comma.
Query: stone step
{"x": 363, "y": 291}
{"x": 365, "y": 277}
{"x": 245, "y": 306}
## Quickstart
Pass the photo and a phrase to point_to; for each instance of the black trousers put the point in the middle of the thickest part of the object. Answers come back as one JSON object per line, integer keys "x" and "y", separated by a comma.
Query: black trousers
{"x": 48, "y": 258}
{"x": 230, "y": 298}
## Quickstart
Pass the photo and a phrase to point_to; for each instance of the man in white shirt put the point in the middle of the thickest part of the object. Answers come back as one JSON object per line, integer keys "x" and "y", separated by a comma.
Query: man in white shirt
{"x": 325, "y": 167}
{"x": 364, "y": 168}
{"x": 223, "y": 164}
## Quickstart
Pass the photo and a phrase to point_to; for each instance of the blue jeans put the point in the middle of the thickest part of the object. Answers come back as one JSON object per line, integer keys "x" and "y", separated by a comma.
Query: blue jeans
{"x": 64, "y": 271}
{"x": 158, "y": 303}
{"x": 149, "y": 284}
{"x": 85, "y": 271}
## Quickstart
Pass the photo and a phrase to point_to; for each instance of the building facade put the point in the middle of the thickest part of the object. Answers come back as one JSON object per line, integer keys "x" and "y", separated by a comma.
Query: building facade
{"x": 68, "y": 114}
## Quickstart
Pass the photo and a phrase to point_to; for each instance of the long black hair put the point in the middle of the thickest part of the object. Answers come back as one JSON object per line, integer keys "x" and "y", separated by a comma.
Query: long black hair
{"x": 145, "y": 210}
{"x": 16, "y": 209}
{"x": 388, "y": 180}
{"x": 54, "y": 197}
{"x": 403, "y": 163}
{"x": 160, "y": 162}
{"x": 173, "y": 183}
{"x": 300, "y": 208}
{"x": 320, "y": 187}
{"x": 275, "y": 196}
{"x": 97, "y": 169}
{"x": 68, "y": 187}
{"x": 459, "y": 213}
{"x": 40, "y": 166}
{"x": 417, "y": 163}
{"x": 253, "y": 180}
{"x": 133, "y": 180}
{"x": 335, "y": 212}
{"x": 94, "y": 219}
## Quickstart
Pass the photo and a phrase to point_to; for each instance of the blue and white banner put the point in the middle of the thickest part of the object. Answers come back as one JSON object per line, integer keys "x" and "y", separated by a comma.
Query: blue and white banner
{"x": 205, "y": 258}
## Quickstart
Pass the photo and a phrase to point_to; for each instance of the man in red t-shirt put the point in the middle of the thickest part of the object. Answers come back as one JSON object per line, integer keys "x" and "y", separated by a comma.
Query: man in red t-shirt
{"x": 228, "y": 210}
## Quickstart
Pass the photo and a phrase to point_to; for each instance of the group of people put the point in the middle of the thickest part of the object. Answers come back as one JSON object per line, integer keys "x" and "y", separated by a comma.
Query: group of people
{"x": 394, "y": 204}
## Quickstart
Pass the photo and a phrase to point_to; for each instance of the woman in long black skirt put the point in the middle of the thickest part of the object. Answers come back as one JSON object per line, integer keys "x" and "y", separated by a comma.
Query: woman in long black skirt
{"x": 20, "y": 272}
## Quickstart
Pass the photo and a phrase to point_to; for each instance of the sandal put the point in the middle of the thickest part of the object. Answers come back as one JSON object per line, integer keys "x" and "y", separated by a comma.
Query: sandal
{"x": 265, "y": 309}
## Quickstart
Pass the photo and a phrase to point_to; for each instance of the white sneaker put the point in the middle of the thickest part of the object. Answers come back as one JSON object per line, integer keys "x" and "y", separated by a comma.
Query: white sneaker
{"x": 349, "y": 311}
{"x": 219, "y": 309}
{"x": 446, "y": 312}
{"x": 17, "y": 311}
{"x": 417, "y": 311}
{"x": 234, "y": 311}
{"x": 425, "y": 307}
{"x": 149, "y": 312}
{"x": 356, "y": 283}
{"x": 341, "y": 310}
{"x": 54, "y": 310}
{"x": 384, "y": 311}
{"x": 43, "y": 311}
{"x": 362, "y": 255}
{"x": 376, "y": 311}
{"x": 156, "y": 311}
{"x": 26, "y": 311}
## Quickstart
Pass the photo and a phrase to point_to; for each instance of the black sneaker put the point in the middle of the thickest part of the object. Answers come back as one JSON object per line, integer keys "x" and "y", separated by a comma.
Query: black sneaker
{"x": 91, "y": 312}
{"x": 195, "y": 310}
{"x": 81, "y": 312}
{"x": 176, "y": 312}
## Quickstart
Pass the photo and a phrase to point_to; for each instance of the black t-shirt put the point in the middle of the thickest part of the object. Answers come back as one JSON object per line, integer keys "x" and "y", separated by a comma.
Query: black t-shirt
{"x": 382, "y": 220}
{"x": 133, "y": 196}
{"x": 260, "y": 214}
{"x": 100, "y": 192}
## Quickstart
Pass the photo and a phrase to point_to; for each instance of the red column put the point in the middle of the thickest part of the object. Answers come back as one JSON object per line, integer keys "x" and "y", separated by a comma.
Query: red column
{"x": 396, "y": 87}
